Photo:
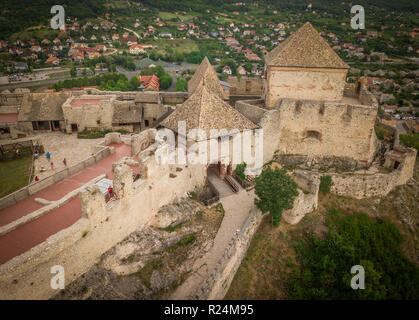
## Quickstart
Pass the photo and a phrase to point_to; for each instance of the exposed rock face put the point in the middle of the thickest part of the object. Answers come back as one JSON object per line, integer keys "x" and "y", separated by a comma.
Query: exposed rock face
{"x": 174, "y": 214}
{"x": 303, "y": 161}
{"x": 140, "y": 248}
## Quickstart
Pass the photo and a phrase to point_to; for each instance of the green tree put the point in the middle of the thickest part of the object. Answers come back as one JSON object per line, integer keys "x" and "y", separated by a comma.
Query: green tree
{"x": 73, "y": 72}
{"x": 165, "y": 81}
{"x": 276, "y": 192}
{"x": 248, "y": 66}
{"x": 410, "y": 140}
{"x": 134, "y": 83}
{"x": 240, "y": 169}
{"x": 181, "y": 85}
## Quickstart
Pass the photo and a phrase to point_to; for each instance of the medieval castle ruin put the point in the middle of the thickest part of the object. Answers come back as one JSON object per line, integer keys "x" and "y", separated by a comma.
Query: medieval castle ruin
{"x": 311, "y": 120}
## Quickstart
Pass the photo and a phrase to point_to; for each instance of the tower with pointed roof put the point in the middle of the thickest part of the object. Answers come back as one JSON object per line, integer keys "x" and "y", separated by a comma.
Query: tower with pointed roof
{"x": 205, "y": 74}
{"x": 304, "y": 67}
{"x": 205, "y": 110}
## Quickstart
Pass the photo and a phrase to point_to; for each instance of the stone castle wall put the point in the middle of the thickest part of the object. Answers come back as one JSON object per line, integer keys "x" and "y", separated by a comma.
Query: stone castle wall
{"x": 246, "y": 86}
{"x": 102, "y": 225}
{"x": 216, "y": 285}
{"x": 360, "y": 185}
{"x": 314, "y": 129}
{"x": 307, "y": 199}
{"x": 303, "y": 83}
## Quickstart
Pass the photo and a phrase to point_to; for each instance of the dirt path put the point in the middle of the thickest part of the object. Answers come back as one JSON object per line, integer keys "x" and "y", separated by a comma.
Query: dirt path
{"x": 237, "y": 208}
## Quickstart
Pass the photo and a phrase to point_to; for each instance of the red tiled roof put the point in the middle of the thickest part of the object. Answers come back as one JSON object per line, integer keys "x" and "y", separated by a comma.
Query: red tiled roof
{"x": 150, "y": 82}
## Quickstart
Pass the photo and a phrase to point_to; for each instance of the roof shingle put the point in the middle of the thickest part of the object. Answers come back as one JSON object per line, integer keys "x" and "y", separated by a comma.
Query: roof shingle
{"x": 206, "y": 73}
{"x": 305, "y": 49}
{"x": 206, "y": 110}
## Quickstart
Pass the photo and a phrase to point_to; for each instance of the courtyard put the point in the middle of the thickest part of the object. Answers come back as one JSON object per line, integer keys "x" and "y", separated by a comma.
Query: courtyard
{"x": 60, "y": 146}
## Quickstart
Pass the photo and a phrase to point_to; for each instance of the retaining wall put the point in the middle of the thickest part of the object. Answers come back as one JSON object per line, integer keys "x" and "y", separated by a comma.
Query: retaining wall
{"x": 216, "y": 285}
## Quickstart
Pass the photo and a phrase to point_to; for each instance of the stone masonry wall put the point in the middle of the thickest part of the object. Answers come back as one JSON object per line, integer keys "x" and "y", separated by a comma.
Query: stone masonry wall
{"x": 303, "y": 83}
{"x": 218, "y": 282}
{"x": 102, "y": 225}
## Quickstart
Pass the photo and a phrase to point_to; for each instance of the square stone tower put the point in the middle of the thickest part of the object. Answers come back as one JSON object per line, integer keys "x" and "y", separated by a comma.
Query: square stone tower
{"x": 304, "y": 67}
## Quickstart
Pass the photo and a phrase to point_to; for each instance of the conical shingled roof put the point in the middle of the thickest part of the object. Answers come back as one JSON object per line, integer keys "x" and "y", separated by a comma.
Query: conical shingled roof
{"x": 206, "y": 73}
{"x": 206, "y": 110}
{"x": 305, "y": 49}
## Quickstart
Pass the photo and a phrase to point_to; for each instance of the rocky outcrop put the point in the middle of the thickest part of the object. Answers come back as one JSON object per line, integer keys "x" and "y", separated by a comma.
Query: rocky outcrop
{"x": 174, "y": 213}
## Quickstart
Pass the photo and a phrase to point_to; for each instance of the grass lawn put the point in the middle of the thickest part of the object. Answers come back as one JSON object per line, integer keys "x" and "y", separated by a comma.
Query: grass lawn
{"x": 169, "y": 15}
{"x": 14, "y": 174}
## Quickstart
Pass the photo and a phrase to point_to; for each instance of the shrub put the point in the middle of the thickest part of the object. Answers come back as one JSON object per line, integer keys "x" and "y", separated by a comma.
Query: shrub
{"x": 326, "y": 184}
{"x": 379, "y": 132}
{"x": 240, "y": 169}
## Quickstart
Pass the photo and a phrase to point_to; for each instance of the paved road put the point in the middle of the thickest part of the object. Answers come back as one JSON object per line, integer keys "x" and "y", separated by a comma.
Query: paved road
{"x": 135, "y": 33}
{"x": 43, "y": 83}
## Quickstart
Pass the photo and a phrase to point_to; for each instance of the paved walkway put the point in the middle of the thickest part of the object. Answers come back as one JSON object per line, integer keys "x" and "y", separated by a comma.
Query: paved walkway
{"x": 237, "y": 208}
{"x": 34, "y": 232}
{"x": 223, "y": 189}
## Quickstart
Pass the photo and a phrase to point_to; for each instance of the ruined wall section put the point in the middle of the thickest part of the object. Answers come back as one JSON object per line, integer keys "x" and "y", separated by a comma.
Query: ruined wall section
{"x": 102, "y": 225}
{"x": 324, "y": 129}
{"x": 142, "y": 141}
{"x": 245, "y": 86}
{"x": 89, "y": 115}
{"x": 307, "y": 199}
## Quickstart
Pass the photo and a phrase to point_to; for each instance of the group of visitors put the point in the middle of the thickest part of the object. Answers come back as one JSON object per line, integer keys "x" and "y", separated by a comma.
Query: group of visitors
{"x": 48, "y": 156}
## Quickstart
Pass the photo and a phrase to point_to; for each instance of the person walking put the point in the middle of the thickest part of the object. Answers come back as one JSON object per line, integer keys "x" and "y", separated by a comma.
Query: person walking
{"x": 36, "y": 179}
{"x": 52, "y": 165}
{"x": 65, "y": 162}
{"x": 48, "y": 155}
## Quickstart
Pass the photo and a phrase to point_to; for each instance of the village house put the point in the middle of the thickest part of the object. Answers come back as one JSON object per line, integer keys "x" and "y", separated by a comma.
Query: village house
{"x": 136, "y": 49}
{"x": 53, "y": 60}
{"x": 149, "y": 83}
{"x": 78, "y": 57}
{"x": 128, "y": 40}
{"x": 227, "y": 70}
{"x": 241, "y": 71}
{"x": 93, "y": 54}
{"x": 36, "y": 49}
{"x": 252, "y": 57}
{"x": 100, "y": 47}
